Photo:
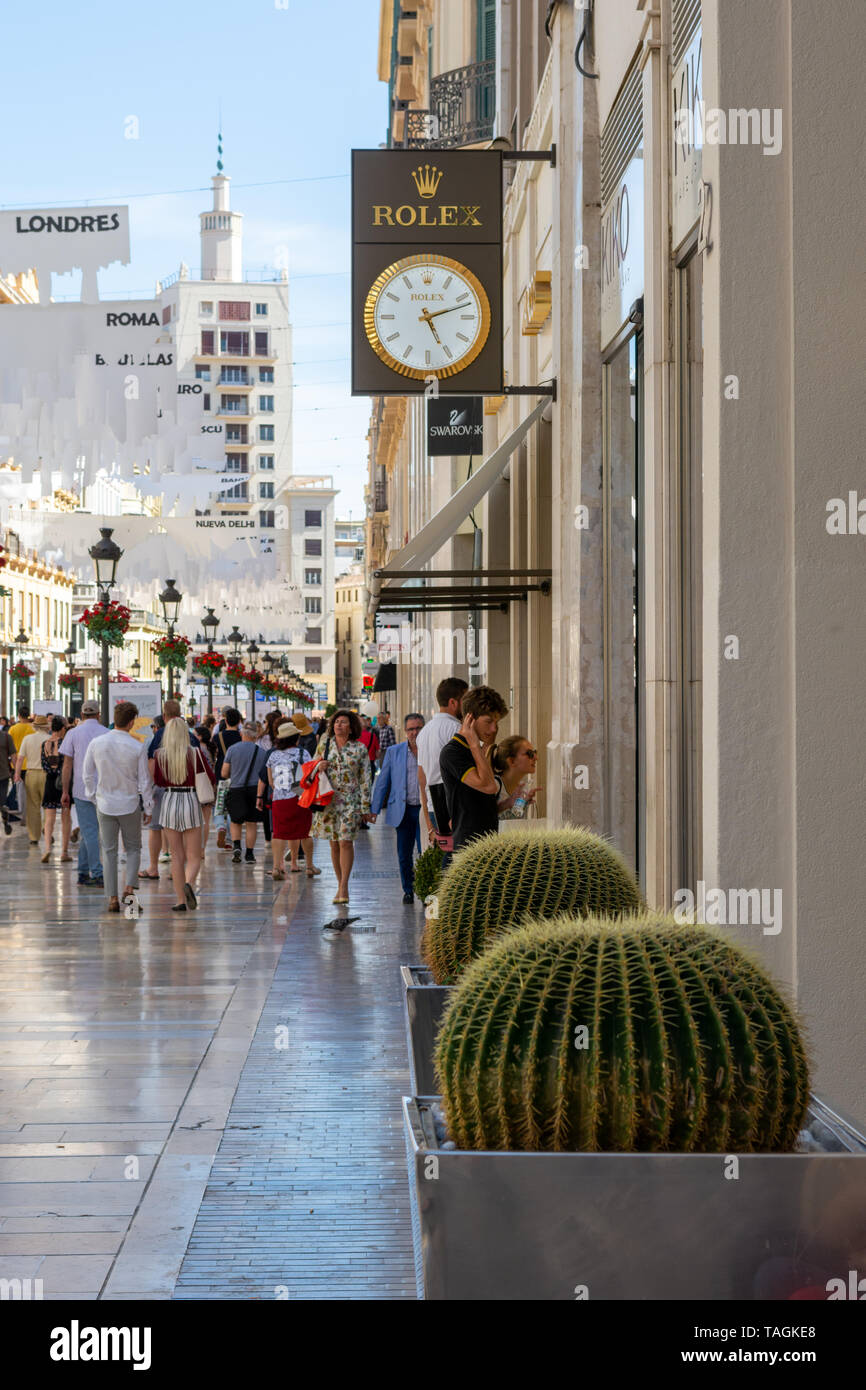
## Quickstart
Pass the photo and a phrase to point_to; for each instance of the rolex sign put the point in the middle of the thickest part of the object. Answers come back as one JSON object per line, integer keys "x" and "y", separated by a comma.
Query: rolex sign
{"x": 426, "y": 272}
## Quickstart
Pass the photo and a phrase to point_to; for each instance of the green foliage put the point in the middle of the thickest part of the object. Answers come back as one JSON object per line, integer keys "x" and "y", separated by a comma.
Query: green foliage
{"x": 428, "y": 871}
{"x": 496, "y": 882}
{"x": 642, "y": 1035}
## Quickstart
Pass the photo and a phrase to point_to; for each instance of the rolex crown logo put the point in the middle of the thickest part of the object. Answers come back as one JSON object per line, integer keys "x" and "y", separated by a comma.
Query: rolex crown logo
{"x": 427, "y": 277}
{"x": 427, "y": 180}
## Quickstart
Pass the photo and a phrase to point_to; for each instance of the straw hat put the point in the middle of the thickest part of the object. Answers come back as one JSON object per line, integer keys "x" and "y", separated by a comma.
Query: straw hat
{"x": 40, "y": 721}
{"x": 301, "y": 723}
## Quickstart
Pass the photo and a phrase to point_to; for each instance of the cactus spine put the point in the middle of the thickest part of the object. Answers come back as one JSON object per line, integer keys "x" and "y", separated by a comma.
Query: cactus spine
{"x": 498, "y": 881}
{"x": 643, "y": 1035}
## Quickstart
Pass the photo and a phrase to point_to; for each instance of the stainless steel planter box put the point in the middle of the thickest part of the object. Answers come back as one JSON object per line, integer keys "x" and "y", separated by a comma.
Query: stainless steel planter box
{"x": 632, "y": 1226}
{"x": 425, "y": 1003}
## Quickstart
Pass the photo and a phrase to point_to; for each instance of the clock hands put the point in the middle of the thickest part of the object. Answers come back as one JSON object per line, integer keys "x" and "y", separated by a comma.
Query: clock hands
{"x": 425, "y": 314}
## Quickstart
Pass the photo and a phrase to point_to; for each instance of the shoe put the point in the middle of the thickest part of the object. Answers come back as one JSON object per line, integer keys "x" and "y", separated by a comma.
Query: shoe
{"x": 165, "y": 857}
{"x": 340, "y": 900}
{"x": 73, "y": 839}
{"x": 113, "y": 905}
{"x": 96, "y": 882}
{"x": 34, "y": 842}
{"x": 249, "y": 857}
{"x": 84, "y": 878}
{"x": 408, "y": 897}
{"x": 179, "y": 907}
{"x": 7, "y": 825}
{"x": 189, "y": 894}
{"x": 66, "y": 858}
{"x": 46, "y": 856}
{"x": 143, "y": 873}
{"x": 236, "y": 857}
{"x": 279, "y": 875}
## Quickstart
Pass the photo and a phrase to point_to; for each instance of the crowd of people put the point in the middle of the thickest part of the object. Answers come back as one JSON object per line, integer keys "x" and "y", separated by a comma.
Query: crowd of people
{"x": 448, "y": 777}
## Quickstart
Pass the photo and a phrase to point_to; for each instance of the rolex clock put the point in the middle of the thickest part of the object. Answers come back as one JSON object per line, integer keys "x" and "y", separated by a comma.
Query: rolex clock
{"x": 427, "y": 315}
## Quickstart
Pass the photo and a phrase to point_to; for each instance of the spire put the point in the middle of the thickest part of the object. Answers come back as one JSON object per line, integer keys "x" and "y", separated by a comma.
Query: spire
{"x": 220, "y": 151}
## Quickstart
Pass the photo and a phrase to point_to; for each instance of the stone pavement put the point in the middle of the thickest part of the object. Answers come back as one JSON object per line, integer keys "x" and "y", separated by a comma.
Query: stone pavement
{"x": 204, "y": 1105}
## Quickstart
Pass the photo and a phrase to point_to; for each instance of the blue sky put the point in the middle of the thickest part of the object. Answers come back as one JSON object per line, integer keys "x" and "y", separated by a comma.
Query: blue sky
{"x": 297, "y": 87}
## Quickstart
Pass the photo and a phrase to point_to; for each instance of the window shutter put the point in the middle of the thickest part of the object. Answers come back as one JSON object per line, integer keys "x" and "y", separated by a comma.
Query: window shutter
{"x": 207, "y": 342}
{"x": 486, "y": 30}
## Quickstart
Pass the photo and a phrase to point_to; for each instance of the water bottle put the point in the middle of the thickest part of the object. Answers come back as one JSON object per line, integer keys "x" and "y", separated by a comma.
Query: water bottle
{"x": 519, "y": 805}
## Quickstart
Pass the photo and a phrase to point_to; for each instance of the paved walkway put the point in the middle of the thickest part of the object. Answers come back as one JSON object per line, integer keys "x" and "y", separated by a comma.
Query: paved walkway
{"x": 214, "y": 1096}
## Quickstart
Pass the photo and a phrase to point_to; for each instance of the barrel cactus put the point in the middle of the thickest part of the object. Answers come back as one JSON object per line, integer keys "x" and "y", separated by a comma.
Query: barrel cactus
{"x": 642, "y": 1035}
{"x": 500, "y": 880}
{"x": 428, "y": 871}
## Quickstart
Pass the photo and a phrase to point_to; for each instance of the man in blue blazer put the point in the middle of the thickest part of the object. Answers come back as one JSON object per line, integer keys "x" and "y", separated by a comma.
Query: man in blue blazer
{"x": 397, "y": 785}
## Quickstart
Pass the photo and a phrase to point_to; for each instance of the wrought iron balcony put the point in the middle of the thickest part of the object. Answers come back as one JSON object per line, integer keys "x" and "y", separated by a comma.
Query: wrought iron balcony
{"x": 462, "y": 109}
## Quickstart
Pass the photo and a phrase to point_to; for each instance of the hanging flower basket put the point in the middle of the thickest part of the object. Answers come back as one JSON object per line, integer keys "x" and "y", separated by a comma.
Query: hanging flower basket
{"x": 208, "y": 663}
{"x": 235, "y": 672}
{"x": 67, "y": 680}
{"x": 21, "y": 674}
{"x": 172, "y": 651}
{"x": 106, "y": 622}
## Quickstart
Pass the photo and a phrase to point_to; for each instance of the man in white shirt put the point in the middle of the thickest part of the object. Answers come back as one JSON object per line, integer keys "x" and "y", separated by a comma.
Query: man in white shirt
{"x": 431, "y": 740}
{"x": 74, "y": 748}
{"x": 117, "y": 779}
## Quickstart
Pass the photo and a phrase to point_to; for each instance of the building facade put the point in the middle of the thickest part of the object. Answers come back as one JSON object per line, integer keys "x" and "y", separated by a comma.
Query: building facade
{"x": 694, "y": 489}
{"x": 36, "y": 601}
{"x": 350, "y": 617}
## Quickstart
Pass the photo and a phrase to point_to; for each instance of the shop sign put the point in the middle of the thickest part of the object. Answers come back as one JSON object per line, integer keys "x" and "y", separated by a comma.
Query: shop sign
{"x": 455, "y": 426}
{"x": 687, "y": 139}
{"x": 622, "y": 250}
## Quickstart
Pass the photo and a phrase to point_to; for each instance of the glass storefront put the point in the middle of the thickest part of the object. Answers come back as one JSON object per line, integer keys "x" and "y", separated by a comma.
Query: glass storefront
{"x": 622, "y": 493}
{"x": 689, "y": 388}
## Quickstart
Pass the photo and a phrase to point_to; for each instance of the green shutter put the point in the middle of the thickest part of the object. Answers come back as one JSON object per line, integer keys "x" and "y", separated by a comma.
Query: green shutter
{"x": 486, "y": 30}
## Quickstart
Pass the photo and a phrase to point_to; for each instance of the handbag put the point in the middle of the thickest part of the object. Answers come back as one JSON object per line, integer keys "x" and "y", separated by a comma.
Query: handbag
{"x": 203, "y": 785}
{"x": 316, "y": 790}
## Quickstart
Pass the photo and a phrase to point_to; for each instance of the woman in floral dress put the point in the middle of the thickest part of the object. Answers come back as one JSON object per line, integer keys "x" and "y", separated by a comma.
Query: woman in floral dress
{"x": 347, "y": 764}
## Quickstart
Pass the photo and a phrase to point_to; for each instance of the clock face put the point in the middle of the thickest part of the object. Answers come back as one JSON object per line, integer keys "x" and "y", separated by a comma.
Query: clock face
{"x": 427, "y": 315}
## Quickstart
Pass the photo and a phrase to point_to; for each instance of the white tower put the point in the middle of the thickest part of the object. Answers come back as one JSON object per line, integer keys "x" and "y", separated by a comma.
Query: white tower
{"x": 221, "y": 236}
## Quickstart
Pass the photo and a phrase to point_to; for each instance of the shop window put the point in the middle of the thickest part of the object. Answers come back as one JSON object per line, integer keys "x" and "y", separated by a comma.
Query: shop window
{"x": 622, "y": 462}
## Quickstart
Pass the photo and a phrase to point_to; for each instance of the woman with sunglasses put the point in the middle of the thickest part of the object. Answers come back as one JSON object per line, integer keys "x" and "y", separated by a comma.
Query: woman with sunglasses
{"x": 514, "y": 762}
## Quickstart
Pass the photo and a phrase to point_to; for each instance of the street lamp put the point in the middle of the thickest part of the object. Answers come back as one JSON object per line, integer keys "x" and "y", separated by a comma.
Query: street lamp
{"x": 210, "y": 623}
{"x": 70, "y": 655}
{"x": 136, "y": 668}
{"x": 253, "y": 654}
{"x": 105, "y": 556}
{"x": 170, "y": 600}
{"x": 20, "y": 641}
{"x": 235, "y": 640}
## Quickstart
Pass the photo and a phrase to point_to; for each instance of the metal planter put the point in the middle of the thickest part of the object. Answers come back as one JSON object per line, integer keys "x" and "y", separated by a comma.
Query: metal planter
{"x": 424, "y": 1002}
{"x": 515, "y": 1225}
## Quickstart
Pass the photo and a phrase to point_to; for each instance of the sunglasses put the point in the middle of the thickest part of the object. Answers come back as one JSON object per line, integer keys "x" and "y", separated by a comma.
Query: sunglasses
{"x": 532, "y": 752}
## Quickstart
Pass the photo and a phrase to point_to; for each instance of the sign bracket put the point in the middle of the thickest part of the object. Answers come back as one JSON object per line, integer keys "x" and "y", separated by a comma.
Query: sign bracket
{"x": 546, "y": 388}
{"x": 549, "y": 155}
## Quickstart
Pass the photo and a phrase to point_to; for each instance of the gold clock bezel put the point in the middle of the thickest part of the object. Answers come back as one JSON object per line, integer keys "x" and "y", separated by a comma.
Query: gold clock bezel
{"x": 387, "y": 275}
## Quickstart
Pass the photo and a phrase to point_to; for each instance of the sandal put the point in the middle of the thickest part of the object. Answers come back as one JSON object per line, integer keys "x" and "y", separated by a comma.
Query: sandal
{"x": 142, "y": 874}
{"x": 340, "y": 900}
{"x": 313, "y": 872}
{"x": 278, "y": 876}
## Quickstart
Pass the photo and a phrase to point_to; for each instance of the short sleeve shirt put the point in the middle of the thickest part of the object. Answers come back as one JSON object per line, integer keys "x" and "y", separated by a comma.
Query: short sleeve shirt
{"x": 246, "y": 764}
{"x": 473, "y": 813}
{"x": 285, "y": 764}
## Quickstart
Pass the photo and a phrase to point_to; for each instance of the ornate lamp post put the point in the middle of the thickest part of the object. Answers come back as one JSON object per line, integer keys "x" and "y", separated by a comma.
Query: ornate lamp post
{"x": 20, "y": 641}
{"x": 105, "y": 556}
{"x": 253, "y": 654}
{"x": 70, "y": 654}
{"x": 210, "y": 623}
{"x": 170, "y": 601}
{"x": 235, "y": 640}
{"x": 136, "y": 668}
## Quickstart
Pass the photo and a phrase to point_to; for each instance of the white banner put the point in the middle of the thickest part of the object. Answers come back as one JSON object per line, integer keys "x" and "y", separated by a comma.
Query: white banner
{"x": 146, "y": 695}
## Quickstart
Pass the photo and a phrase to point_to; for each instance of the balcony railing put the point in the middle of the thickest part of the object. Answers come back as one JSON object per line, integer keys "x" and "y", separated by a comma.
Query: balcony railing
{"x": 461, "y": 112}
